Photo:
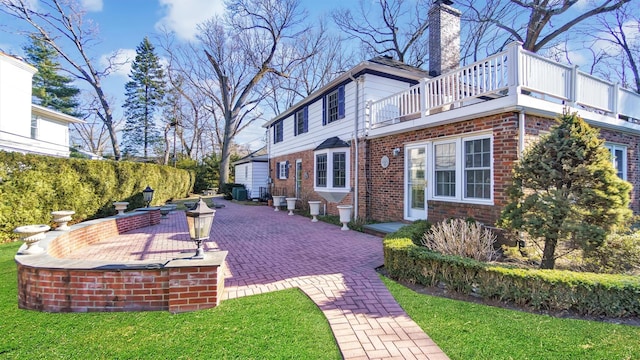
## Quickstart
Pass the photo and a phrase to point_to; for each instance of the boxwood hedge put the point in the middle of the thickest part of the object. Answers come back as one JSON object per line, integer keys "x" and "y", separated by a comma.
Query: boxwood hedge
{"x": 31, "y": 186}
{"x": 584, "y": 293}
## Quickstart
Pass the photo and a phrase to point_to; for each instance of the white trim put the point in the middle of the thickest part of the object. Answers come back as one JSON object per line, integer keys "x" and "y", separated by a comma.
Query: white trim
{"x": 329, "y": 153}
{"x": 282, "y": 170}
{"x": 459, "y": 141}
{"x": 612, "y": 147}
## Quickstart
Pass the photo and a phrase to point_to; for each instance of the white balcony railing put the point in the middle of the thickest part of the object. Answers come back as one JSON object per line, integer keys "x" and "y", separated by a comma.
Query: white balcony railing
{"x": 506, "y": 73}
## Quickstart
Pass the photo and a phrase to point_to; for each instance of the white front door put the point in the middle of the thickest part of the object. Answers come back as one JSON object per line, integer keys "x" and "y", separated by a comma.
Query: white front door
{"x": 415, "y": 186}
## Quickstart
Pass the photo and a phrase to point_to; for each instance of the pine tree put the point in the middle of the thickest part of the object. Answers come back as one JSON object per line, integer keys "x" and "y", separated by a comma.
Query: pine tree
{"x": 50, "y": 89}
{"x": 565, "y": 188}
{"x": 144, "y": 95}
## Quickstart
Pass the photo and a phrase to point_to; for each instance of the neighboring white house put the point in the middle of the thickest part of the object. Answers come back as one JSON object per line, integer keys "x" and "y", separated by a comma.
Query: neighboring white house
{"x": 26, "y": 127}
{"x": 253, "y": 172}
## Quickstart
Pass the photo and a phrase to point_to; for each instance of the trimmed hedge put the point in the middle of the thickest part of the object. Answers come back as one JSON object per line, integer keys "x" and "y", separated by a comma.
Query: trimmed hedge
{"x": 584, "y": 293}
{"x": 32, "y": 186}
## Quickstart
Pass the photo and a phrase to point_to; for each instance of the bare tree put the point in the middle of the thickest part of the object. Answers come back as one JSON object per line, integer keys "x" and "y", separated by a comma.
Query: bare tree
{"x": 393, "y": 27}
{"x": 535, "y": 23}
{"x": 62, "y": 25}
{"x": 92, "y": 135}
{"x": 331, "y": 60}
{"x": 241, "y": 49}
{"x": 622, "y": 30}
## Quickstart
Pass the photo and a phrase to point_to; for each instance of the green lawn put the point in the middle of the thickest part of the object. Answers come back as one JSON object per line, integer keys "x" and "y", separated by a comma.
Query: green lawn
{"x": 471, "y": 331}
{"x": 279, "y": 325}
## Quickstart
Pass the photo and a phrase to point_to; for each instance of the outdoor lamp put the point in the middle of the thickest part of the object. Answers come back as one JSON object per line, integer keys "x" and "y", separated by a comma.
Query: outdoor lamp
{"x": 147, "y": 195}
{"x": 199, "y": 220}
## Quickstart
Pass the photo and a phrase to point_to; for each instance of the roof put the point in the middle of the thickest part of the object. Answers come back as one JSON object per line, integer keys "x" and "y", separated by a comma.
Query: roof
{"x": 54, "y": 115}
{"x": 332, "y": 143}
{"x": 380, "y": 64}
{"x": 391, "y": 62}
{"x": 259, "y": 155}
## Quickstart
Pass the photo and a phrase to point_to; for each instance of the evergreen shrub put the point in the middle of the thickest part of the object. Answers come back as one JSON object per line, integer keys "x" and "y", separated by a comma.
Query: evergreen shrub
{"x": 555, "y": 290}
{"x": 32, "y": 186}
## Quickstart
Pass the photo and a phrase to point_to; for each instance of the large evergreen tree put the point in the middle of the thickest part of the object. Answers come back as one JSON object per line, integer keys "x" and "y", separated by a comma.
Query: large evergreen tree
{"x": 565, "y": 188}
{"x": 50, "y": 88}
{"x": 144, "y": 95}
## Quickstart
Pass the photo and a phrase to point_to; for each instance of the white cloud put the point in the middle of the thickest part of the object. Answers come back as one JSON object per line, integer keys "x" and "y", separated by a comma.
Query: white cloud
{"x": 183, "y": 16}
{"x": 122, "y": 57}
{"x": 92, "y": 5}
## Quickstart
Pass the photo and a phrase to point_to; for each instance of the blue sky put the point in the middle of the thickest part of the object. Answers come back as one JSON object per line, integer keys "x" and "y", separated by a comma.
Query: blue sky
{"x": 123, "y": 24}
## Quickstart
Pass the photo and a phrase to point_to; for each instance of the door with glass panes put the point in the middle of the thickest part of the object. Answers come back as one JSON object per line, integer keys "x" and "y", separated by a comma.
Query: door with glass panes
{"x": 416, "y": 183}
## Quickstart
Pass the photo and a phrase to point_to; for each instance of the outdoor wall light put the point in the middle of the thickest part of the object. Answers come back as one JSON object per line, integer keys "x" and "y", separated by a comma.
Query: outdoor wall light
{"x": 396, "y": 152}
{"x": 199, "y": 221}
{"x": 147, "y": 195}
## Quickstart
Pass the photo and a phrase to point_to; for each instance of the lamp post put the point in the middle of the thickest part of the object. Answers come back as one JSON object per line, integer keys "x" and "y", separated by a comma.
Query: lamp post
{"x": 147, "y": 195}
{"x": 199, "y": 220}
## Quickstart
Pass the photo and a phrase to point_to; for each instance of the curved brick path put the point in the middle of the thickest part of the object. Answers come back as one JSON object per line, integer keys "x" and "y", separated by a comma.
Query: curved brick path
{"x": 270, "y": 251}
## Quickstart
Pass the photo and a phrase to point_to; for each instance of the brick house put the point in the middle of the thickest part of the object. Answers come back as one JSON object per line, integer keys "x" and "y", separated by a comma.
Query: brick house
{"x": 402, "y": 144}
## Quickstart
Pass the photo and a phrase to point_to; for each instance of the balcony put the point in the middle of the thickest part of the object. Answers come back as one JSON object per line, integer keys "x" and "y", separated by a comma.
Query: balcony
{"x": 512, "y": 79}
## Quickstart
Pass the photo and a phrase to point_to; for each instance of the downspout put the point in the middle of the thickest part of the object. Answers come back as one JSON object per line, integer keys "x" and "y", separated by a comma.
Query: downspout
{"x": 521, "y": 133}
{"x": 355, "y": 138}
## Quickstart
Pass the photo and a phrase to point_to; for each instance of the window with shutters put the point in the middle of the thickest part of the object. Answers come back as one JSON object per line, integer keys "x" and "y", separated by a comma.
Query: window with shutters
{"x": 283, "y": 170}
{"x": 301, "y": 121}
{"x": 333, "y": 105}
{"x": 278, "y": 131}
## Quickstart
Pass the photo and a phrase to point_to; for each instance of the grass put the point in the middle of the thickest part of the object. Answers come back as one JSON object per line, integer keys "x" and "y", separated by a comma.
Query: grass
{"x": 466, "y": 330}
{"x": 279, "y": 325}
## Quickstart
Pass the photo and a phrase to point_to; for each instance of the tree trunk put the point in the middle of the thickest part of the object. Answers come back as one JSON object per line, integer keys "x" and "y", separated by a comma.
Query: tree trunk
{"x": 548, "y": 254}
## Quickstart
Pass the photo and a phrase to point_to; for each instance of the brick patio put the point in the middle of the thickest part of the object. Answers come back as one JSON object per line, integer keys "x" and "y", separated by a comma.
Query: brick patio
{"x": 270, "y": 251}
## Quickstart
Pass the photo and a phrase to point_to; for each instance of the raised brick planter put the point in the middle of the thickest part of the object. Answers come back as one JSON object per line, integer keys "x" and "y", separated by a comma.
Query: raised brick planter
{"x": 49, "y": 282}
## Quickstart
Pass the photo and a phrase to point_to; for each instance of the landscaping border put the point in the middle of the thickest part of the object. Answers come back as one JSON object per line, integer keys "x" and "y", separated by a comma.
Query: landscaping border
{"x": 584, "y": 293}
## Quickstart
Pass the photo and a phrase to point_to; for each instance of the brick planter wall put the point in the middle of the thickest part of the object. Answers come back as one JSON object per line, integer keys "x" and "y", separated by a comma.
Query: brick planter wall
{"x": 49, "y": 282}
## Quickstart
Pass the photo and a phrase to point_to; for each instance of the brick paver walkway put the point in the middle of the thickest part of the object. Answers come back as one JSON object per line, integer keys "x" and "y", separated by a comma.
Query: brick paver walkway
{"x": 270, "y": 251}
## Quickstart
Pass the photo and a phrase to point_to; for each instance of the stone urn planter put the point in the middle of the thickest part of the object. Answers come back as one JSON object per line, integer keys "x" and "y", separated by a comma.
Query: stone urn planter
{"x": 314, "y": 210}
{"x": 291, "y": 205}
{"x": 31, "y": 235}
{"x": 164, "y": 211}
{"x": 277, "y": 201}
{"x": 345, "y": 215}
{"x": 121, "y": 206}
{"x": 62, "y": 217}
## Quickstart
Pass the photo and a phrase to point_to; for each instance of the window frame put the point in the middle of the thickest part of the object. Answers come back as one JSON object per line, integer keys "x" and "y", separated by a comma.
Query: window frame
{"x": 339, "y": 106}
{"x": 282, "y": 170}
{"x": 331, "y": 171}
{"x": 613, "y": 147}
{"x": 460, "y": 176}
{"x": 35, "y": 124}
{"x": 301, "y": 121}
{"x": 278, "y": 132}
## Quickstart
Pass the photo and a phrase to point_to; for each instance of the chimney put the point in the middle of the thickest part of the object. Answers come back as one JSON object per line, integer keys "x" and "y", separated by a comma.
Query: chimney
{"x": 444, "y": 37}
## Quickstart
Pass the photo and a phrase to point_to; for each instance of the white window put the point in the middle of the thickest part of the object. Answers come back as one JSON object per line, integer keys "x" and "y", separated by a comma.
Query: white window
{"x": 34, "y": 127}
{"x": 332, "y": 170}
{"x": 461, "y": 169}
{"x": 445, "y": 169}
{"x": 282, "y": 170}
{"x": 618, "y": 159}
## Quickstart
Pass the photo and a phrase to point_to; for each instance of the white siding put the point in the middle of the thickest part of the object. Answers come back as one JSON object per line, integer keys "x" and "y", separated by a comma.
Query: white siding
{"x": 256, "y": 177}
{"x": 15, "y": 96}
{"x": 259, "y": 179}
{"x": 53, "y": 131}
{"x": 372, "y": 88}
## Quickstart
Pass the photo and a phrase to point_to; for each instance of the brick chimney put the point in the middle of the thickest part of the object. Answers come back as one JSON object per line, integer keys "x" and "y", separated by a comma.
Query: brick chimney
{"x": 444, "y": 37}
